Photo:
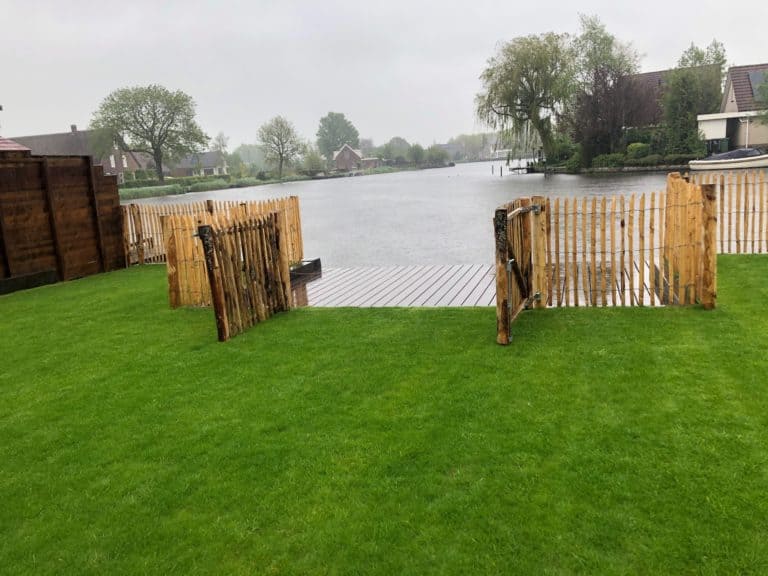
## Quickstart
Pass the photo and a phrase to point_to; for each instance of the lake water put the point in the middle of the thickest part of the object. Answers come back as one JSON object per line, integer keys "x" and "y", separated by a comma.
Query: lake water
{"x": 440, "y": 216}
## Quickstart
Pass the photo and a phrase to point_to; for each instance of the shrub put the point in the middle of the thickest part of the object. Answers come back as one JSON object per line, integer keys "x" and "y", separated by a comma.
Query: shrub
{"x": 638, "y": 150}
{"x": 245, "y": 182}
{"x": 608, "y": 161}
{"x": 650, "y": 160}
{"x": 140, "y": 183}
{"x": 573, "y": 164}
{"x": 203, "y": 186}
{"x": 149, "y": 191}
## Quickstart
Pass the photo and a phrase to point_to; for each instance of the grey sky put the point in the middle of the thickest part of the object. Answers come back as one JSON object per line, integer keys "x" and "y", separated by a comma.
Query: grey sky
{"x": 395, "y": 68}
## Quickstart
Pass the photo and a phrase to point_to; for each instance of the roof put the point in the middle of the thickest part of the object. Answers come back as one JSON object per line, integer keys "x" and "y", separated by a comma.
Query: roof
{"x": 209, "y": 159}
{"x": 7, "y": 145}
{"x": 744, "y": 80}
{"x": 358, "y": 152}
{"x": 62, "y": 144}
{"x": 650, "y": 85}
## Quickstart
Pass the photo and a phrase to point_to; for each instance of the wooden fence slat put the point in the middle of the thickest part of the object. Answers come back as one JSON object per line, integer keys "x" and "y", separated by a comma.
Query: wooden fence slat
{"x": 641, "y": 252}
{"x": 603, "y": 270}
{"x": 612, "y": 230}
{"x": 566, "y": 272}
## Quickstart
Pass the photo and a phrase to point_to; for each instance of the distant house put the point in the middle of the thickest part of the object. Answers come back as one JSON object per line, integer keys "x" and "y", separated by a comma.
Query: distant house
{"x": 211, "y": 163}
{"x": 82, "y": 143}
{"x": 644, "y": 108}
{"x": 347, "y": 158}
{"x": 737, "y": 120}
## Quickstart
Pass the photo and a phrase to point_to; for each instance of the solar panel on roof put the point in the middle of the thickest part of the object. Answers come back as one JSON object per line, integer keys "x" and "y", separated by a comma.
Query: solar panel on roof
{"x": 756, "y": 78}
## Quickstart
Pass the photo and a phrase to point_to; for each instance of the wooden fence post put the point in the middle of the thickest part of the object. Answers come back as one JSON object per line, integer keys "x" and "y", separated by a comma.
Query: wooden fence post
{"x": 539, "y": 231}
{"x": 283, "y": 232}
{"x": 217, "y": 291}
{"x": 94, "y": 198}
{"x": 137, "y": 228}
{"x": 171, "y": 261}
{"x": 709, "y": 275}
{"x": 502, "y": 285}
{"x": 51, "y": 204}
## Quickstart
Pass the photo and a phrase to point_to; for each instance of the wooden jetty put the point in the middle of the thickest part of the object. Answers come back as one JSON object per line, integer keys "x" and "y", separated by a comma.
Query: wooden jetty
{"x": 398, "y": 286}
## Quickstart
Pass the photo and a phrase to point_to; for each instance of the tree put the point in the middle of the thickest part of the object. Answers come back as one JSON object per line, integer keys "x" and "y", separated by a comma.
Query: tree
{"x": 528, "y": 81}
{"x": 153, "y": 120}
{"x": 397, "y": 150}
{"x": 366, "y": 146}
{"x": 312, "y": 162}
{"x": 280, "y": 142}
{"x": 436, "y": 156}
{"x": 710, "y": 65}
{"x": 681, "y": 96}
{"x": 416, "y": 154}
{"x": 694, "y": 87}
{"x": 598, "y": 112}
{"x": 252, "y": 156}
{"x": 762, "y": 99}
{"x": 335, "y": 131}
{"x": 220, "y": 143}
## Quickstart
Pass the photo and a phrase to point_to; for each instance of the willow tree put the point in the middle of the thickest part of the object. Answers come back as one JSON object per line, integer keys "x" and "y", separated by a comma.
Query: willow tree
{"x": 151, "y": 119}
{"x": 528, "y": 82}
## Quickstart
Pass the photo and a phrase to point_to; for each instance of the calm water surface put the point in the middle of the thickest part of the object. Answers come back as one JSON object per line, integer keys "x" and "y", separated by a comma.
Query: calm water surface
{"x": 441, "y": 216}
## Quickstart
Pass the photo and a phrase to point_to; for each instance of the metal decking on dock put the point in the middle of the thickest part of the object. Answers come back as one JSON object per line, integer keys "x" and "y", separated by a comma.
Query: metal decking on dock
{"x": 399, "y": 286}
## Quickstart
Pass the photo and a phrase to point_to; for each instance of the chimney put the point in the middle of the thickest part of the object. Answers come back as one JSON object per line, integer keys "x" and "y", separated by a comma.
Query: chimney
{"x": 73, "y": 127}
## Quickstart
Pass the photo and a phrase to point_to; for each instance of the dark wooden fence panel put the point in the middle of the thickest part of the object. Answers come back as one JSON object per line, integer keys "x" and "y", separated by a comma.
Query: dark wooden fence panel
{"x": 59, "y": 219}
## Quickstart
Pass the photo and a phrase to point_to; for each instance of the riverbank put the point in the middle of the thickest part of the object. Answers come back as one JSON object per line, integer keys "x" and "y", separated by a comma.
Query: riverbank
{"x": 173, "y": 188}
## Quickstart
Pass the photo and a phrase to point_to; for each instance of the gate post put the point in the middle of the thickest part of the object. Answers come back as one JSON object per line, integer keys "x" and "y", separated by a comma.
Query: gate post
{"x": 502, "y": 285}
{"x": 539, "y": 232}
{"x": 709, "y": 274}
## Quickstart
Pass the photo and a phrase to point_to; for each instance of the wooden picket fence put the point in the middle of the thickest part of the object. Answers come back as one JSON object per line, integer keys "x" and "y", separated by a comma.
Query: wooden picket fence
{"x": 655, "y": 249}
{"x": 742, "y": 209}
{"x": 248, "y": 272}
{"x": 143, "y": 239}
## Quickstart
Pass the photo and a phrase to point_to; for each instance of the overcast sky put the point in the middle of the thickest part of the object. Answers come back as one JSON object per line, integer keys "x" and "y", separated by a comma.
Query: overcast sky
{"x": 394, "y": 68}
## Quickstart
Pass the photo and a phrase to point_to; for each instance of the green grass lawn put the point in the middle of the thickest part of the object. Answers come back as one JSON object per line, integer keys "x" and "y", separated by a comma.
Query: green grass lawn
{"x": 602, "y": 441}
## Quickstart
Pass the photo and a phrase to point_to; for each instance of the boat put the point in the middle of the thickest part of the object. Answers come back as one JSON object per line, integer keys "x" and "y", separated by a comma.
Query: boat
{"x": 742, "y": 158}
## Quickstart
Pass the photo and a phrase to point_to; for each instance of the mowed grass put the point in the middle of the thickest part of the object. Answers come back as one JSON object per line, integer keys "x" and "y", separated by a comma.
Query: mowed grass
{"x": 602, "y": 441}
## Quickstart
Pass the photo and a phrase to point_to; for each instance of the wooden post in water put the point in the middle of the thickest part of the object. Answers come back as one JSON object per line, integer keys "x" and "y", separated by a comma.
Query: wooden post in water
{"x": 709, "y": 274}
{"x": 502, "y": 285}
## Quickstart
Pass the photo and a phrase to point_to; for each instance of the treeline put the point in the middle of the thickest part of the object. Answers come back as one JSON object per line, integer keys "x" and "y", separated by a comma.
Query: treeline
{"x": 587, "y": 105}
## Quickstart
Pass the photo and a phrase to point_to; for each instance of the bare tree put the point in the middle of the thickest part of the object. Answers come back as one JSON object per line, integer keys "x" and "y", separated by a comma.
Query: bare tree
{"x": 280, "y": 142}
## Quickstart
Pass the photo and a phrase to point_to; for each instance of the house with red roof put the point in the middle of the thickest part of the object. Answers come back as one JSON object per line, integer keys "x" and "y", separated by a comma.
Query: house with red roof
{"x": 738, "y": 117}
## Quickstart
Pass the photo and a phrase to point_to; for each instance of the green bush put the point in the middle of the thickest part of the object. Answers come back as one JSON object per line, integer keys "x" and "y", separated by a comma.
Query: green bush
{"x": 638, "y": 150}
{"x": 245, "y": 182}
{"x": 141, "y": 183}
{"x": 650, "y": 160}
{"x": 149, "y": 191}
{"x": 573, "y": 164}
{"x": 203, "y": 186}
{"x": 608, "y": 161}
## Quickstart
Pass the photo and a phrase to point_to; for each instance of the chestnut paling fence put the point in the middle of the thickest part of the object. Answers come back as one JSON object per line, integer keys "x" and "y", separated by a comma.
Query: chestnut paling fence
{"x": 143, "y": 235}
{"x": 742, "y": 209}
{"x": 651, "y": 249}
